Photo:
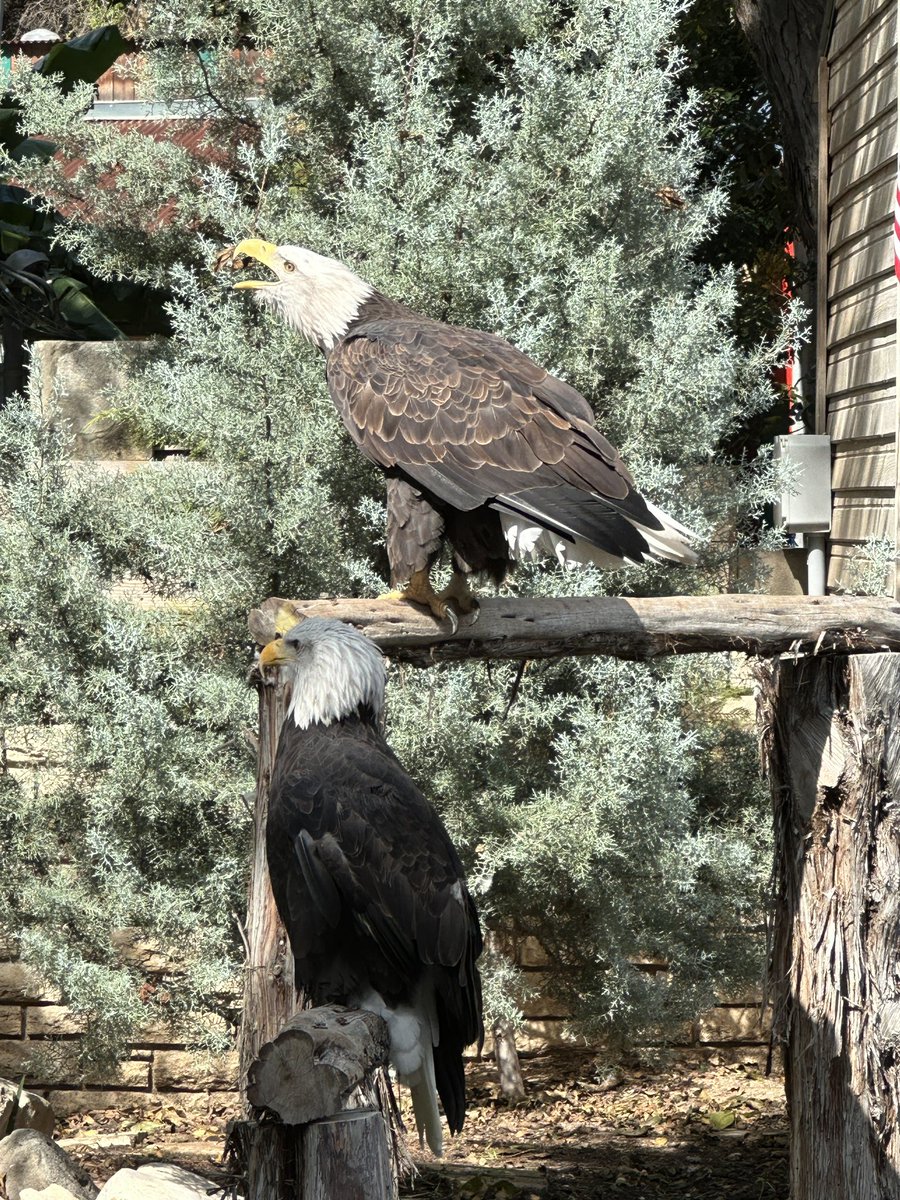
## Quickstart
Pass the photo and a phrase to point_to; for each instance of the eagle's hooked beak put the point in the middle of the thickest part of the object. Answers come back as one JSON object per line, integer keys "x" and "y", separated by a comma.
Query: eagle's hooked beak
{"x": 264, "y": 252}
{"x": 276, "y": 653}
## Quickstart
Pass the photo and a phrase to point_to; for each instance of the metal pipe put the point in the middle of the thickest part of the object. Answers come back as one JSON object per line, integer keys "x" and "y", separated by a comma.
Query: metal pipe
{"x": 815, "y": 564}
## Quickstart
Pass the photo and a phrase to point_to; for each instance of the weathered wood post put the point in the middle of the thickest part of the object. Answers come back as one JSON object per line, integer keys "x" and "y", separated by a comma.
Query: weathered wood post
{"x": 831, "y": 745}
{"x": 316, "y": 1076}
{"x": 270, "y": 998}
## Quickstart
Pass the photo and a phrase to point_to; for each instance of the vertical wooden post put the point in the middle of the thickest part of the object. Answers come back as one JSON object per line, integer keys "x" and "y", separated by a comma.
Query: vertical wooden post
{"x": 831, "y": 744}
{"x": 269, "y": 995}
{"x": 267, "y": 1153}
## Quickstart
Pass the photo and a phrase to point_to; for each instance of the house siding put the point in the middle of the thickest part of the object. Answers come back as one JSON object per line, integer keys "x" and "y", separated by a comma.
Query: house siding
{"x": 857, "y": 401}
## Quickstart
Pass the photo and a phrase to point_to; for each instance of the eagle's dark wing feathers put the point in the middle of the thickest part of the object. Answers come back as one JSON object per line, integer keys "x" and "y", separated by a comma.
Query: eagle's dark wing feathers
{"x": 367, "y": 880}
{"x": 475, "y": 421}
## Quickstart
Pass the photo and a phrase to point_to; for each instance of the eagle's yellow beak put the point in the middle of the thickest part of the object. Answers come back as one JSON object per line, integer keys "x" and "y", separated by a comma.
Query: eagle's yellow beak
{"x": 276, "y": 653}
{"x": 264, "y": 252}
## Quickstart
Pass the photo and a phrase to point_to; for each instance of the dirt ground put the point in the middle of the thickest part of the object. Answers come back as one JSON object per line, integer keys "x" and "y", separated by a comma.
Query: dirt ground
{"x": 691, "y": 1131}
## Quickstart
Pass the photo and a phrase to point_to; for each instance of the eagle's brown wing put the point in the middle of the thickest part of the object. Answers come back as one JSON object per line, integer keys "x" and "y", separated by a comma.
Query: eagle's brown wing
{"x": 473, "y": 420}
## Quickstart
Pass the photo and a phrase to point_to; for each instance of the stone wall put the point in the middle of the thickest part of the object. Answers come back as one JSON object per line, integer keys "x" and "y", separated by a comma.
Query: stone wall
{"x": 79, "y": 379}
{"x": 38, "y": 1040}
{"x": 736, "y": 1028}
{"x": 39, "y": 1034}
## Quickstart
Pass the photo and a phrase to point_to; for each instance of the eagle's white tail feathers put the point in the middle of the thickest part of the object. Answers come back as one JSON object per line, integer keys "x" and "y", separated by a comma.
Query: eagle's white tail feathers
{"x": 423, "y": 1091}
{"x": 413, "y": 1033}
{"x": 671, "y": 543}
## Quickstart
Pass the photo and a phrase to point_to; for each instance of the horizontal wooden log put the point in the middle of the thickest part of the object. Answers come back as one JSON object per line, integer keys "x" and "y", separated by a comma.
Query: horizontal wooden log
{"x": 513, "y": 628}
{"x": 309, "y": 1069}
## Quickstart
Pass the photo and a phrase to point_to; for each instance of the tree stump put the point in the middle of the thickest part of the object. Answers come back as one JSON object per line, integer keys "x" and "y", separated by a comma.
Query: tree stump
{"x": 314, "y": 1064}
{"x": 331, "y": 1138}
{"x": 831, "y": 745}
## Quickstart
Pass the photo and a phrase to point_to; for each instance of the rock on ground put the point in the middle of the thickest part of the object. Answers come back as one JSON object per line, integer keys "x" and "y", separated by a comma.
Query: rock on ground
{"x": 156, "y": 1181}
{"x": 31, "y": 1160}
{"x": 33, "y": 1112}
{"x": 53, "y": 1192}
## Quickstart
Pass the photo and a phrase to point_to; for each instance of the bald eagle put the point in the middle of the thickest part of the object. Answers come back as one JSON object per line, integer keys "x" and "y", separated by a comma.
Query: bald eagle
{"x": 481, "y": 447}
{"x": 366, "y": 880}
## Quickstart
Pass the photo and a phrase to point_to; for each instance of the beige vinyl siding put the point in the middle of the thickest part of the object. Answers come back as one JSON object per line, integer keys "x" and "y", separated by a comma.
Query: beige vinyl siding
{"x": 850, "y": 21}
{"x": 862, "y": 206}
{"x": 869, "y": 413}
{"x": 875, "y": 44}
{"x": 868, "y": 152}
{"x": 860, "y": 260}
{"x": 860, "y": 356}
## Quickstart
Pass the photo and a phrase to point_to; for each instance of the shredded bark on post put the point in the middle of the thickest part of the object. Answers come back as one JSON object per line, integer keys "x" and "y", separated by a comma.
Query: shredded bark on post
{"x": 269, "y": 995}
{"x": 831, "y": 744}
{"x": 513, "y": 628}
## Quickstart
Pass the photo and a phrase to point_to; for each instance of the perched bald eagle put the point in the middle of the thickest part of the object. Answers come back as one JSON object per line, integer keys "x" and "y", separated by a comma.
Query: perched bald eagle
{"x": 367, "y": 882}
{"x": 480, "y": 446}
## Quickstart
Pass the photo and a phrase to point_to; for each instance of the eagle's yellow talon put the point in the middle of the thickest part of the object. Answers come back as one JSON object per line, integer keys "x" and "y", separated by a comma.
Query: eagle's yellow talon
{"x": 420, "y": 591}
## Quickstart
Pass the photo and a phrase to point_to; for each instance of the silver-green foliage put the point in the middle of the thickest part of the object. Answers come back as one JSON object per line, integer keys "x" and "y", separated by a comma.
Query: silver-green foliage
{"x": 502, "y": 165}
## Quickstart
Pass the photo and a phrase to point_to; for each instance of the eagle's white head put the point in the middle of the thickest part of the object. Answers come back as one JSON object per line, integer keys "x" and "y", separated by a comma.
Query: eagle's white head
{"x": 317, "y": 296}
{"x": 333, "y": 670}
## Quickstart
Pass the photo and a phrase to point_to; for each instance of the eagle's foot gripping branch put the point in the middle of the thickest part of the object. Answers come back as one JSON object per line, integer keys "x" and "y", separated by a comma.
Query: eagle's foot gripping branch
{"x": 459, "y": 592}
{"x": 446, "y": 606}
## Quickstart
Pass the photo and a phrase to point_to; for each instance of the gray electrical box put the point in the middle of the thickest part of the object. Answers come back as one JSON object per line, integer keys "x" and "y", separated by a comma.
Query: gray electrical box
{"x": 807, "y": 507}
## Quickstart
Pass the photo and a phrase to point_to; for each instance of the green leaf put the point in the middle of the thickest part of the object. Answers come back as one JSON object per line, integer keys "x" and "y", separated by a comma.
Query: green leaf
{"x": 85, "y": 58}
{"x": 721, "y": 1119}
{"x": 81, "y": 312}
{"x": 12, "y": 240}
{"x": 33, "y": 147}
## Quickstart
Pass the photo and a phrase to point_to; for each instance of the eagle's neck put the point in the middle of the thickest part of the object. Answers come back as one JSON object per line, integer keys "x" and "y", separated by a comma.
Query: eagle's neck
{"x": 373, "y": 309}
{"x": 362, "y": 725}
{"x": 340, "y": 678}
{"x": 321, "y": 309}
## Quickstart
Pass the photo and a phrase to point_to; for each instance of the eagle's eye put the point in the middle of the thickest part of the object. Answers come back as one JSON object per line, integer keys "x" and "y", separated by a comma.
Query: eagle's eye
{"x": 289, "y": 266}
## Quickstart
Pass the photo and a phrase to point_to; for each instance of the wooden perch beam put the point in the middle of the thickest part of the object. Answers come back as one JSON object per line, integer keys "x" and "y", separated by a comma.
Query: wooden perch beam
{"x": 509, "y": 627}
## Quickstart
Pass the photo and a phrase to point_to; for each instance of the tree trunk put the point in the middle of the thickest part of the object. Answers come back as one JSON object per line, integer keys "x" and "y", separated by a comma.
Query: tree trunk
{"x": 784, "y": 39}
{"x": 831, "y": 746}
{"x": 270, "y": 998}
{"x": 509, "y": 1070}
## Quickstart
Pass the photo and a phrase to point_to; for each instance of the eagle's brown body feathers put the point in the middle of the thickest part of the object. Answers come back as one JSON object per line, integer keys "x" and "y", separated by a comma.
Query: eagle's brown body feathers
{"x": 466, "y": 426}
